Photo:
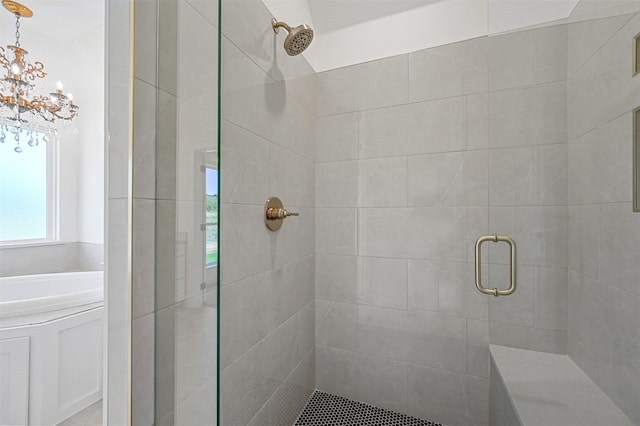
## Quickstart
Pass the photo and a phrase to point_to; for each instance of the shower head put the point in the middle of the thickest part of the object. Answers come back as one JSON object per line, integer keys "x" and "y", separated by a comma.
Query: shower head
{"x": 298, "y": 39}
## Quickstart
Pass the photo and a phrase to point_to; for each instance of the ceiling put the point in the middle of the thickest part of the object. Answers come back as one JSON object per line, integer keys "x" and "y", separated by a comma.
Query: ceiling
{"x": 348, "y": 32}
{"x": 332, "y": 15}
{"x": 61, "y": 20}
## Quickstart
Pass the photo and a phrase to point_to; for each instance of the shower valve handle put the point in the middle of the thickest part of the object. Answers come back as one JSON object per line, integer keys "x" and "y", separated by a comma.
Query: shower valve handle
{"x": 275, "y": 213}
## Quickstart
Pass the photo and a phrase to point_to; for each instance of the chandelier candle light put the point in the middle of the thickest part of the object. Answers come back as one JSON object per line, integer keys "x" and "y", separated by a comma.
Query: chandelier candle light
{"x": 20, "y": 109}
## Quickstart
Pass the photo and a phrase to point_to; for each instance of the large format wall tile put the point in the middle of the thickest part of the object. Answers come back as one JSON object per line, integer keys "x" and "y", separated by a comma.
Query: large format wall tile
{"x": 255, "y": 377}
{"x": 528, "y": 116}
{"x": 600, "y": 162}
{"x": 511, "y": 60}
{"x": 337, "y": 137}
{"x": 349, "y": 374}
{"x": 338, "y": 185}
{"x": 480, "y": 149}
{"x": 267, "y": 149}
{"x": 458, "y": 400}
{"x": 419, "y": 128}
{"x": 350, "y": 89}
{"x": 604, "y": 233}
{"x": 248, "y": 157}
{"x": 431, "y": 233}
{"x": 603, "y": 89}
{"x": 464, "y": 64}
{"x": 587, "y": 37}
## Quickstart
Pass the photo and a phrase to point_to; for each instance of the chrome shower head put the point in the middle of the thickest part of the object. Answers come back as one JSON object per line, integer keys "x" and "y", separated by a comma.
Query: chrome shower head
{"x": 298, "y": 39}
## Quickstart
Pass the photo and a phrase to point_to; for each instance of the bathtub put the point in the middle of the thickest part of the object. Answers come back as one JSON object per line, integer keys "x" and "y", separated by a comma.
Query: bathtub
{"x": 51, "y": 331}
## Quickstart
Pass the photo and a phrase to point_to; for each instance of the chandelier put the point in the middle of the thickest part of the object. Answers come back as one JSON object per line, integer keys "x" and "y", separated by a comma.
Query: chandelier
{"x": 22, "y": 110}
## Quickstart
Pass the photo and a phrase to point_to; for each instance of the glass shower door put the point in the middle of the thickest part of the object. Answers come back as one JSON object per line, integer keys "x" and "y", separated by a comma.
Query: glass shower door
{"x": 560, "y": 184}
{"x": 186, "y": 214}
{"x": 175, "y": 213}
{"x": 527, "y": 125}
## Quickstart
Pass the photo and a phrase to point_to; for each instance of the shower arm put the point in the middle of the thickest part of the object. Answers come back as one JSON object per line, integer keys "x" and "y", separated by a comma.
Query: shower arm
{"x": 278, "y": 24}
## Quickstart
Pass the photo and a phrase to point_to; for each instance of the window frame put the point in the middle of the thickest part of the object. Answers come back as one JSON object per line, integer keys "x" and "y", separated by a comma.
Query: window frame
{"x": 205, "y": 224}
{"x": 53, "y": 199}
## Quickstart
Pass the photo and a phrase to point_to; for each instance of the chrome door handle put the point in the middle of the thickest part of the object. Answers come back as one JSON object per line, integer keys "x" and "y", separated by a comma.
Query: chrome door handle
{"x": 512, "y": 265}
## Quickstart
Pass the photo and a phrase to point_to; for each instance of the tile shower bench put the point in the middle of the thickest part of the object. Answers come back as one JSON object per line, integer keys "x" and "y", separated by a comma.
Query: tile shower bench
{"x": 531, "y": 388}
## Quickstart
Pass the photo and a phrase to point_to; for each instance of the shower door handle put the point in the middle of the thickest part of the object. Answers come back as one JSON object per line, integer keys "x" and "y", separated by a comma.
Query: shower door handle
{"x": 512, "y": 265}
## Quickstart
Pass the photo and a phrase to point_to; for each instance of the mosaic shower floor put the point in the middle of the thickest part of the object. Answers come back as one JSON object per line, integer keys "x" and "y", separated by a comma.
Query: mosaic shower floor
{"x": 324, "y": 409}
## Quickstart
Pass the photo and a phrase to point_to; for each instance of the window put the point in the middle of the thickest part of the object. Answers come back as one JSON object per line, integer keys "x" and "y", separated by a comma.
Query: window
{"x": 211, "y": 217}
{"x": 27, "y": 188}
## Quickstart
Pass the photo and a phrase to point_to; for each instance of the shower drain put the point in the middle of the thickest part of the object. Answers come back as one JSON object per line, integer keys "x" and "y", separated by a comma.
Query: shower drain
{"x": 324, "y": 409}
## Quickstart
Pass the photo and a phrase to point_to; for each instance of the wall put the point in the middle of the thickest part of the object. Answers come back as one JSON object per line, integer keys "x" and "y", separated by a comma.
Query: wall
{"x": 117, "y": 392}
{"x": 51, "y": 258}
{"x": 527, "y": 128}
{"x": 604, "y": 233}
{"x": 266, "y": 299}
{"x": 418, "y": 155}
{"x": 401, "y": 195}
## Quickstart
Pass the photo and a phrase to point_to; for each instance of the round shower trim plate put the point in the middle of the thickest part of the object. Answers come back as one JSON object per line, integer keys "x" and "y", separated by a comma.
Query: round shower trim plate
{"x": 17, "y": 8}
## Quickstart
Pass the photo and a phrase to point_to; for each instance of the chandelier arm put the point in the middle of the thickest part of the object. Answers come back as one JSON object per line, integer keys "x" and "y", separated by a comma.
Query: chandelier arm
{"x": 35, "y": 70}
{"x": 4, "y": 60}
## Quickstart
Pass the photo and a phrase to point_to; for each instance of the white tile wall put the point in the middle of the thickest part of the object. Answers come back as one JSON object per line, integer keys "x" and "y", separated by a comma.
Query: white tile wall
{"x": 604, "y": 233}
{"x": 481, "y": 147}
{"x": 398, "y": 196}
{"x": 456, "y": 399}
{"x": 419, "y": 128}
{"x": 464, "y": 64}
{"x": 528, "y": 180}
{"x": 268, "y": 149}
{"x": 117, "y": 254}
